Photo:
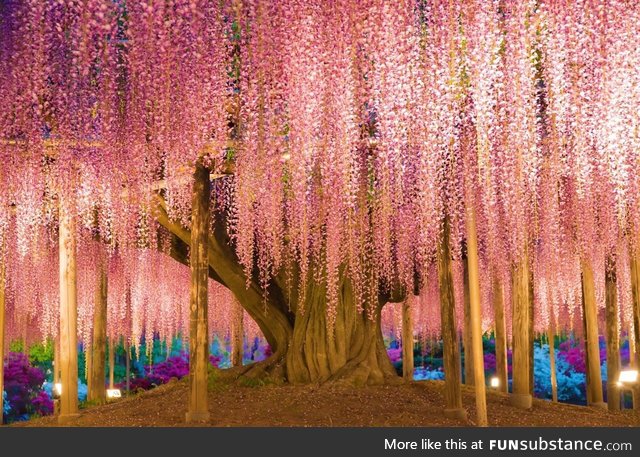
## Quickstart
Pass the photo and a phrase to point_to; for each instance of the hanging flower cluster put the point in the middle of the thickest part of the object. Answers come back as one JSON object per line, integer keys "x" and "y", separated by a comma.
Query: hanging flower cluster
{"x": 355, "y": 129}
{"x": 147, "y": 295}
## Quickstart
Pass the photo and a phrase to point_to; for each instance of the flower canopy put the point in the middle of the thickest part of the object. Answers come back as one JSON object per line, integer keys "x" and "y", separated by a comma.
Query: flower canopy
{"x": 353, "y": 128}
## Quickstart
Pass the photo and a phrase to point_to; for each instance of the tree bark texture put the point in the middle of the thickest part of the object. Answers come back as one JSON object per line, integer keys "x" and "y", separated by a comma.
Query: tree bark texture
{"x": 97, "y": 392}
{"x": 521, "y": 396}
{"x": 68, "y": 317}
{"x": 237, "y": 334}
{"x": 198, "y": 324}
{"x": 407, "y": 342}
{"x": 476, "y": 318}
{"x": 590, "y": 312}
{"x": 612, "y": 335}
{"x": 466, "y": 335}
{"x": 450, "y": 349}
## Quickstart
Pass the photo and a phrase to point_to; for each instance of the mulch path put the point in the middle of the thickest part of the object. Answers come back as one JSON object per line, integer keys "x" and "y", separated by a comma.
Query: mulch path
{"x": 407, "y": 404}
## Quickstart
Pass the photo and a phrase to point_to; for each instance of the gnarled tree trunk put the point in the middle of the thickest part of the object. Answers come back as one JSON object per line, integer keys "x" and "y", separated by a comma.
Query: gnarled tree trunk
{"x": 353, "y": 351}
{"x": 304, "y": 348}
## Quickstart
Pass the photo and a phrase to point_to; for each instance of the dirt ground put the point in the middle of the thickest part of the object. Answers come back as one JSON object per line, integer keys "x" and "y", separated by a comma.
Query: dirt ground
{"x": 406, "y": 404}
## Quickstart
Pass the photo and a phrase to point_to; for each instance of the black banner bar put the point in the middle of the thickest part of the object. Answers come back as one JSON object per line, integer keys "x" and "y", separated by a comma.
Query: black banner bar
{"x": 302, "y": 442}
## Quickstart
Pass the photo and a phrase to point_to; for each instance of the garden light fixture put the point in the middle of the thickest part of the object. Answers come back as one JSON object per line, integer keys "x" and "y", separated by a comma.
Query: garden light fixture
{"x": 114, "y": 393}
{"x": 628, "y": 377}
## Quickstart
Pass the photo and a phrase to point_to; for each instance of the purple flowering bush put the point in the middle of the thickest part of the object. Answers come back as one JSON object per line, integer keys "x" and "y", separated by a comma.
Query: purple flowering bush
{"x": 215, "y": 361}
{"x": 489, "y": 362}
{"x": 176, "y": 367}
{"x": 395, "y": 354}
{"x": 23, "y": 385}
{"x": 163, "y": 372}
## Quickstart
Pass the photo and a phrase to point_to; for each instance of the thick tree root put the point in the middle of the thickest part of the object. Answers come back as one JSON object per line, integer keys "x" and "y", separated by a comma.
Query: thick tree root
{"x": 268, "y": 371}
{"x": 274, "y": 371}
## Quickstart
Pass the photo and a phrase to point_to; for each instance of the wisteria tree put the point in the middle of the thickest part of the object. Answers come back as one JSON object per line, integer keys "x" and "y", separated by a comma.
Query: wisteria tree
{"x": 329, "y": 157}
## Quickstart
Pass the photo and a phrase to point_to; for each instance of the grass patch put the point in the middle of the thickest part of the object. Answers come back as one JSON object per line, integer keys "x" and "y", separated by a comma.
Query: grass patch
{"x": 245, "y": 381}
{"x": 216, "y": 382}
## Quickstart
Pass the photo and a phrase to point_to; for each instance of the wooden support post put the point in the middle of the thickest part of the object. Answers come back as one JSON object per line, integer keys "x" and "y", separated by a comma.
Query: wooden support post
{"x": 476, "y": 317}
{"x": 521, "y": 396}
{"x": 612, "y": 335}
{"x": 407, "y": 342}
{"x": 25, "y": 327}
{"x": 634, "y": 257}
{"x": 87, "y": 366}
{"x": 632, "y": 349}
{"x": 2, "y": 305}
{"x": 56, "y": 361}
{"x": 127, "y": 364}
{"x": 199, "y": 334}
{"x": 56, "y": 373}
{"x": 551, "y": 335}
{"x": 532, "y": 333}
{"x": 466, "y": 335}
{"x": 237, "y": 334}
{"x": 450, "y": 348}
{"x": 552, "y": 361}
{"x": 586, "y": 353}
{"x": 68, "y": 317}
{"x": 500, "y": 331}
{"x": 590, "y": 312}
{"x": 112, "y": 361}
{"x": 459, "y": 340}
{"x": 97, "y": 391}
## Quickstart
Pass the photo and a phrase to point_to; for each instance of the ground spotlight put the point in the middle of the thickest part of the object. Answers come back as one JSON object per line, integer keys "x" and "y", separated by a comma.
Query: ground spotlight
{"x": 114, "y": 393}
{"x": 628, "y": 377}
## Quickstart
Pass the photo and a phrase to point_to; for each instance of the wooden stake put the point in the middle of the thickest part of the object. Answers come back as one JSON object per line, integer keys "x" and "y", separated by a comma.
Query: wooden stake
{"x": 56, "y": 361}
{"x": 237, "y": 334}
{"x": 466, "y": 335}
{"x": 594, "y": 377}
{"x": 112, "y": 361}
{"x": 586, "y": 353}
{"x": 476, "y": 317}
{"x": 88, "y": 366}
{"x": 501, "y": 335}
{"x": 521, "y": 396}
{"x": 450, "y": 349}
{"x": 551, "y": 335}
{"x": 25, "y": 327}
{"x": 612, "y": 335}
{"x": 2, "y": 305}
{"x": 127, "y": 364}
{"x": 68, "y": 317}
{"x": 56, "y": 373}
{"x": 552, "y": 362}
{"x": 634, "y": 256}
{"x": 632, "y": 349}
{"x": 532, "y": 334}
{"x": 407, "y": 342}
{"x": 199, "y": 334}
{"x": 97, "y": 391}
